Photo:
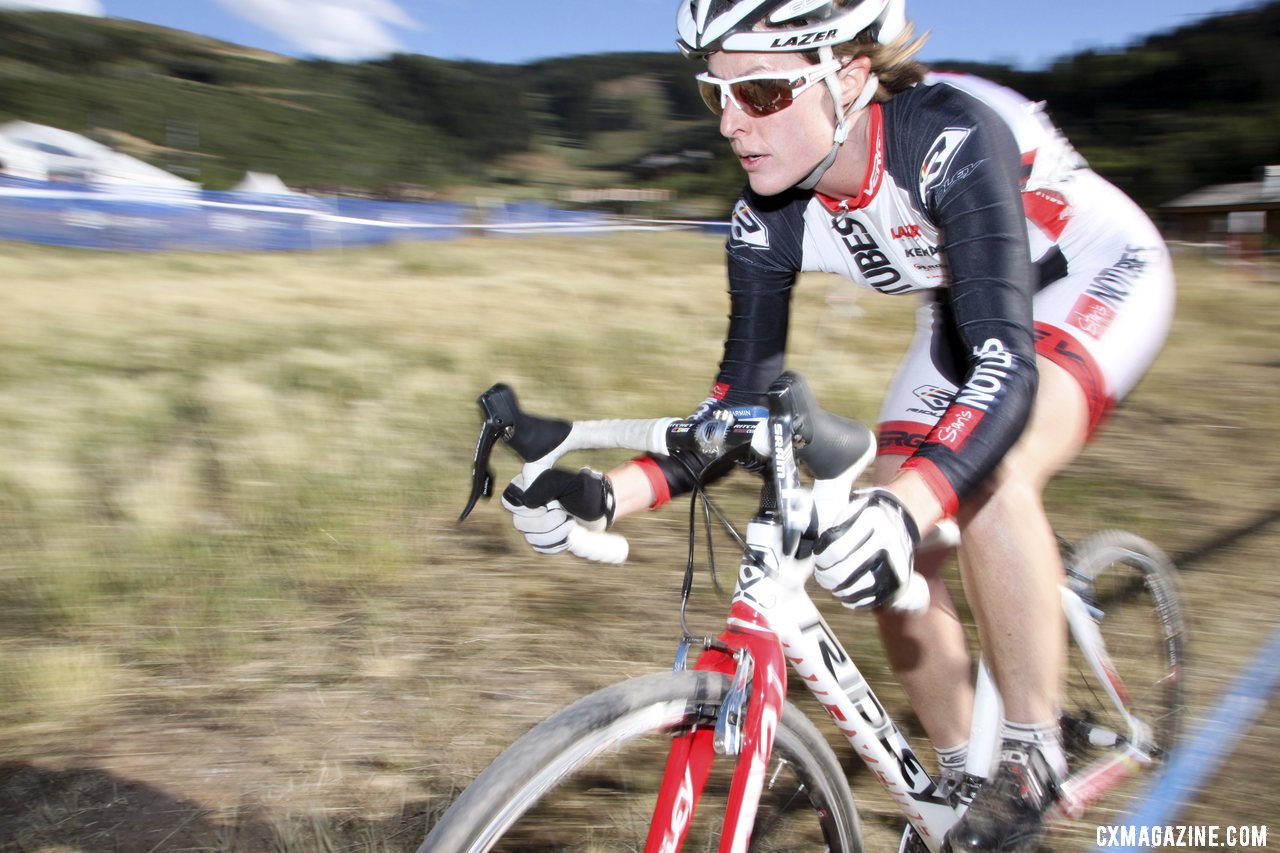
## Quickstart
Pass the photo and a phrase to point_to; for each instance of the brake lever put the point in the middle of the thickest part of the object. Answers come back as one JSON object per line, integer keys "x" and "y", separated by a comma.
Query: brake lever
{"x": 500, "y": 410}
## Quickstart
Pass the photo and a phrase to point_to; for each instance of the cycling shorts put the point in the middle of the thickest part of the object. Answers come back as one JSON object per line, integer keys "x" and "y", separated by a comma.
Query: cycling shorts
{"x": 1104, "y": 321}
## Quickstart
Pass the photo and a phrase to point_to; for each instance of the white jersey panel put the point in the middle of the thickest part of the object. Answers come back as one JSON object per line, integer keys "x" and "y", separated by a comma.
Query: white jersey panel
{"x": 887, "y": 245}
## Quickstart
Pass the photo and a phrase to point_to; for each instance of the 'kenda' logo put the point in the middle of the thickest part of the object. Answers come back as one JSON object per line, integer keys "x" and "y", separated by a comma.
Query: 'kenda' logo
{"x": 987, "y": 380}
{"x": 746, "y": 229}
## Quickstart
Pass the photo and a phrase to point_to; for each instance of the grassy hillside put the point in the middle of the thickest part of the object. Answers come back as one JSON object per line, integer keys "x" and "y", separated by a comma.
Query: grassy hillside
{"x": 1169, "y": 114}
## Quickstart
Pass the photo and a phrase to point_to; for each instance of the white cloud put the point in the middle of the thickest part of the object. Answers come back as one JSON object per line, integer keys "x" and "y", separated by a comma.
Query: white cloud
{"x": 335, "y": 29}
{"x": 76, "y": 7}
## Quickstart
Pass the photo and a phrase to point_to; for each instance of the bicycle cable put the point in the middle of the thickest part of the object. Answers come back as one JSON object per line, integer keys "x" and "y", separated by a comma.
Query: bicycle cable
{"x": 709, "y": 508}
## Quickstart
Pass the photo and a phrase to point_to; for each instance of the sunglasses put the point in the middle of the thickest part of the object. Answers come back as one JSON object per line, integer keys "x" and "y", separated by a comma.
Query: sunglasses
{"x": 763, "y": 94}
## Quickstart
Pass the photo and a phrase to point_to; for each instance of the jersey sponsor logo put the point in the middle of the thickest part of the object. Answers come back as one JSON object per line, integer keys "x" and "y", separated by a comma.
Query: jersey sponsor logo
{"x": 940, "y": 155}
{"x": 1048, "y": 210}
{"x": 1091, "y": 316}
{"x": 1114, "y": 284}
{"x": 1098, "y": 306}
{"x": 901, "y": 438}
{"x": 953, "y": 431}
{"x": 905, "y": 232}
{"x": 746, "y": 228}
{"x": 871, "y": 261}
{"x": 934, "y": 397}
{"x": 804, "y": 40}
{"x": 987, "y": 379}
{"x": 960, "y": 175}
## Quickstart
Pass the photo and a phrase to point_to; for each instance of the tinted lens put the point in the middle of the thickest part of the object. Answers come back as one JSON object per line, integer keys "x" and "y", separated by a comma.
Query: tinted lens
{"x": 710, "y": 96}
{"x": 762, "y": 97}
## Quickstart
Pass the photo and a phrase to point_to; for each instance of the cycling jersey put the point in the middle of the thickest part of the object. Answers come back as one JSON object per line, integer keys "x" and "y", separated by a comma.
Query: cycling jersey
{"x": 974, "y": 198}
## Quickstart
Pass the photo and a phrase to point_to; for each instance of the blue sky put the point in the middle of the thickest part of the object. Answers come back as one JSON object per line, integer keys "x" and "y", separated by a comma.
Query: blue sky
{"x": 1018, "y": 32}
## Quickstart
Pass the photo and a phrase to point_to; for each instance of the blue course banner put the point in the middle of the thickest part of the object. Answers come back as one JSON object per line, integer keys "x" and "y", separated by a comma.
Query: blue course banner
{"x": 143, "y": 220}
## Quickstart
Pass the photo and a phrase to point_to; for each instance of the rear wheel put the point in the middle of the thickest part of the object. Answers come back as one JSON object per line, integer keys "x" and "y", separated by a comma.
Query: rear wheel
{"x": 1130, "y": 586}
{"x": 587, "y": 779}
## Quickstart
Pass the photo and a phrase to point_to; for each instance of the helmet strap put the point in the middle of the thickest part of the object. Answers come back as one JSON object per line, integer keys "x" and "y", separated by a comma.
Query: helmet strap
{"x": 843, "y": 125}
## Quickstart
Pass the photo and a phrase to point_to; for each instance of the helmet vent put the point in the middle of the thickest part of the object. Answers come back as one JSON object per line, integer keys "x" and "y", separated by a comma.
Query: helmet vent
{"x": 797, "y": 9}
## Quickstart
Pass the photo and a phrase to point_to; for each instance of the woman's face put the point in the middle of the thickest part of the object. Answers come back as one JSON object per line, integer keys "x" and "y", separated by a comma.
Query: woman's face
{"x": 779, "y": 150}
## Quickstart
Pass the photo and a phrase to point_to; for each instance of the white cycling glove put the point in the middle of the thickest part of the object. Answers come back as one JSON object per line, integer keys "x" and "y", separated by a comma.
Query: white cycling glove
{"x": 548, "y": 510}
{"x": 865, "y": 558}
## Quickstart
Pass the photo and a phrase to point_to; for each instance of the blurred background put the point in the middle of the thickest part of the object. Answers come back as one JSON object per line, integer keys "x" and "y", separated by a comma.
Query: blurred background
{"x": 239, "y": 359}
{"x": 1164, "y": 99}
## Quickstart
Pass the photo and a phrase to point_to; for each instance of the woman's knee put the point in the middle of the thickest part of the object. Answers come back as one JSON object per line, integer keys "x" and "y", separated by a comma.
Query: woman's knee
{"x": 1056, "y": 430}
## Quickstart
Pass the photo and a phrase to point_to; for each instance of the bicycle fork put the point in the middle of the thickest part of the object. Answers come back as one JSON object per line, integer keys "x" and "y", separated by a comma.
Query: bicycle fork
{"x": 751, "y": 653}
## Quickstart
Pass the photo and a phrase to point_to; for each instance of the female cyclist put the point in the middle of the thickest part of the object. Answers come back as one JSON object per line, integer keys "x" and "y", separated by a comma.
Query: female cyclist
{"x": 1046, "y": 293}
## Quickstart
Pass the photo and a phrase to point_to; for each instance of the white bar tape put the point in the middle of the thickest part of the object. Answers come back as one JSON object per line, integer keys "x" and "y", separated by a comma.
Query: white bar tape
{"x": 643, "y": 435}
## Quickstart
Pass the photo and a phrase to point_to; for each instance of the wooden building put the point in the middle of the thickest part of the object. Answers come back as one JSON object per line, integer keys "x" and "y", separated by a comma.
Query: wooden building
{"x": 1245, "y": 215}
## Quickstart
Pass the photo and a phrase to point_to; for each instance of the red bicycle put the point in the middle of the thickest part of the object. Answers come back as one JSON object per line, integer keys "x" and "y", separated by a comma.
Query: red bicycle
{"x": 714, "y": 757}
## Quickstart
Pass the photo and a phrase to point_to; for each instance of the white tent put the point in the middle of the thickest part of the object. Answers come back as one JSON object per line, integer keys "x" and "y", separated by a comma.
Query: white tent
{"x": 36, "y": 150}
{"x": 21, "y": 162}
{"x": 263, "y": 184}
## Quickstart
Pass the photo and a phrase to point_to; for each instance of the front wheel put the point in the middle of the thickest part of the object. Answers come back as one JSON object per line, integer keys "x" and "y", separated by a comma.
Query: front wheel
{"x": 587, "y": 779}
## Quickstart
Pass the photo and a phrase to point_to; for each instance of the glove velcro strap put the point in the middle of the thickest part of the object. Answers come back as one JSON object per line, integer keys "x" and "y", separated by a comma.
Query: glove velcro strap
{"x": 885, "y": 496}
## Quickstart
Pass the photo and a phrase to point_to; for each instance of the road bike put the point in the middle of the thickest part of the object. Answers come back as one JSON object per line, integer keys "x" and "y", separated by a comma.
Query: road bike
{"x": 712, "y": 756}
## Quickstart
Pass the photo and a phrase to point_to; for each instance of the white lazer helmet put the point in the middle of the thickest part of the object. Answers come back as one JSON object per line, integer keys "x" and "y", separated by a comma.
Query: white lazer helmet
{"x": 766, "y": 26}
{"x": 786, "y": 26}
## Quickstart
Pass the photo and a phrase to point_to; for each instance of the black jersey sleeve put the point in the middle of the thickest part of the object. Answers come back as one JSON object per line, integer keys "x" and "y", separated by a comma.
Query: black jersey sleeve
{"x": 764, "y": 251}
{"x": 970, "y": 173}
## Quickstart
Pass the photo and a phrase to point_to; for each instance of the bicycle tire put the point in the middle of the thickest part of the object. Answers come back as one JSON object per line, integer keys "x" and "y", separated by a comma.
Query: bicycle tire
{"x": 586, "y": 779}
{"x": 1132, "y": 587}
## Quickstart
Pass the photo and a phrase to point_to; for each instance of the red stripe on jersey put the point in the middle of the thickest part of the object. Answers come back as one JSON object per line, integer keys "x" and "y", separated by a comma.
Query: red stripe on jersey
{"x": 936, "y": 481}
{"x": 874, "y": 177}
{"x": 657, "y": 480}
{"x": 1065, "y": 351}
{"x": 1049, "y": 210}
{"x": 901, "y": 438}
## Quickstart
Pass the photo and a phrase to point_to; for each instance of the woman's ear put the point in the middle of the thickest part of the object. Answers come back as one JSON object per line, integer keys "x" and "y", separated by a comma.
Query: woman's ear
{"x": 853, "y": 76}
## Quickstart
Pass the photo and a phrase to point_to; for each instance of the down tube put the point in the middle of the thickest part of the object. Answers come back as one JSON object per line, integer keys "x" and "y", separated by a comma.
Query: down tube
{"x": 827, "y": 670}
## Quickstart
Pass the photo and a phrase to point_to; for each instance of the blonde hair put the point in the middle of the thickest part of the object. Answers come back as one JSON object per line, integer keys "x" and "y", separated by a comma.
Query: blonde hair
{"x": 893, "y": 63}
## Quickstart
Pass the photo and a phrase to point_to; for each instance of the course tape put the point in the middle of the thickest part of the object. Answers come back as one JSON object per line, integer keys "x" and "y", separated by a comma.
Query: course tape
{"x": 136, "y": 219}
{"x": 1198, "y": 760}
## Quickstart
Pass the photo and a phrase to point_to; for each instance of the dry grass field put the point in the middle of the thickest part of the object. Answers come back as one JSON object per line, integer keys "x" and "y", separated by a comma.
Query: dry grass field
{"x": 237, "y": 614}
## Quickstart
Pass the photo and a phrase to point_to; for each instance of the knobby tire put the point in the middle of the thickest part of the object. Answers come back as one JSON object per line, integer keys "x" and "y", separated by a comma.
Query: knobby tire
{"x": 586, "y": 779}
